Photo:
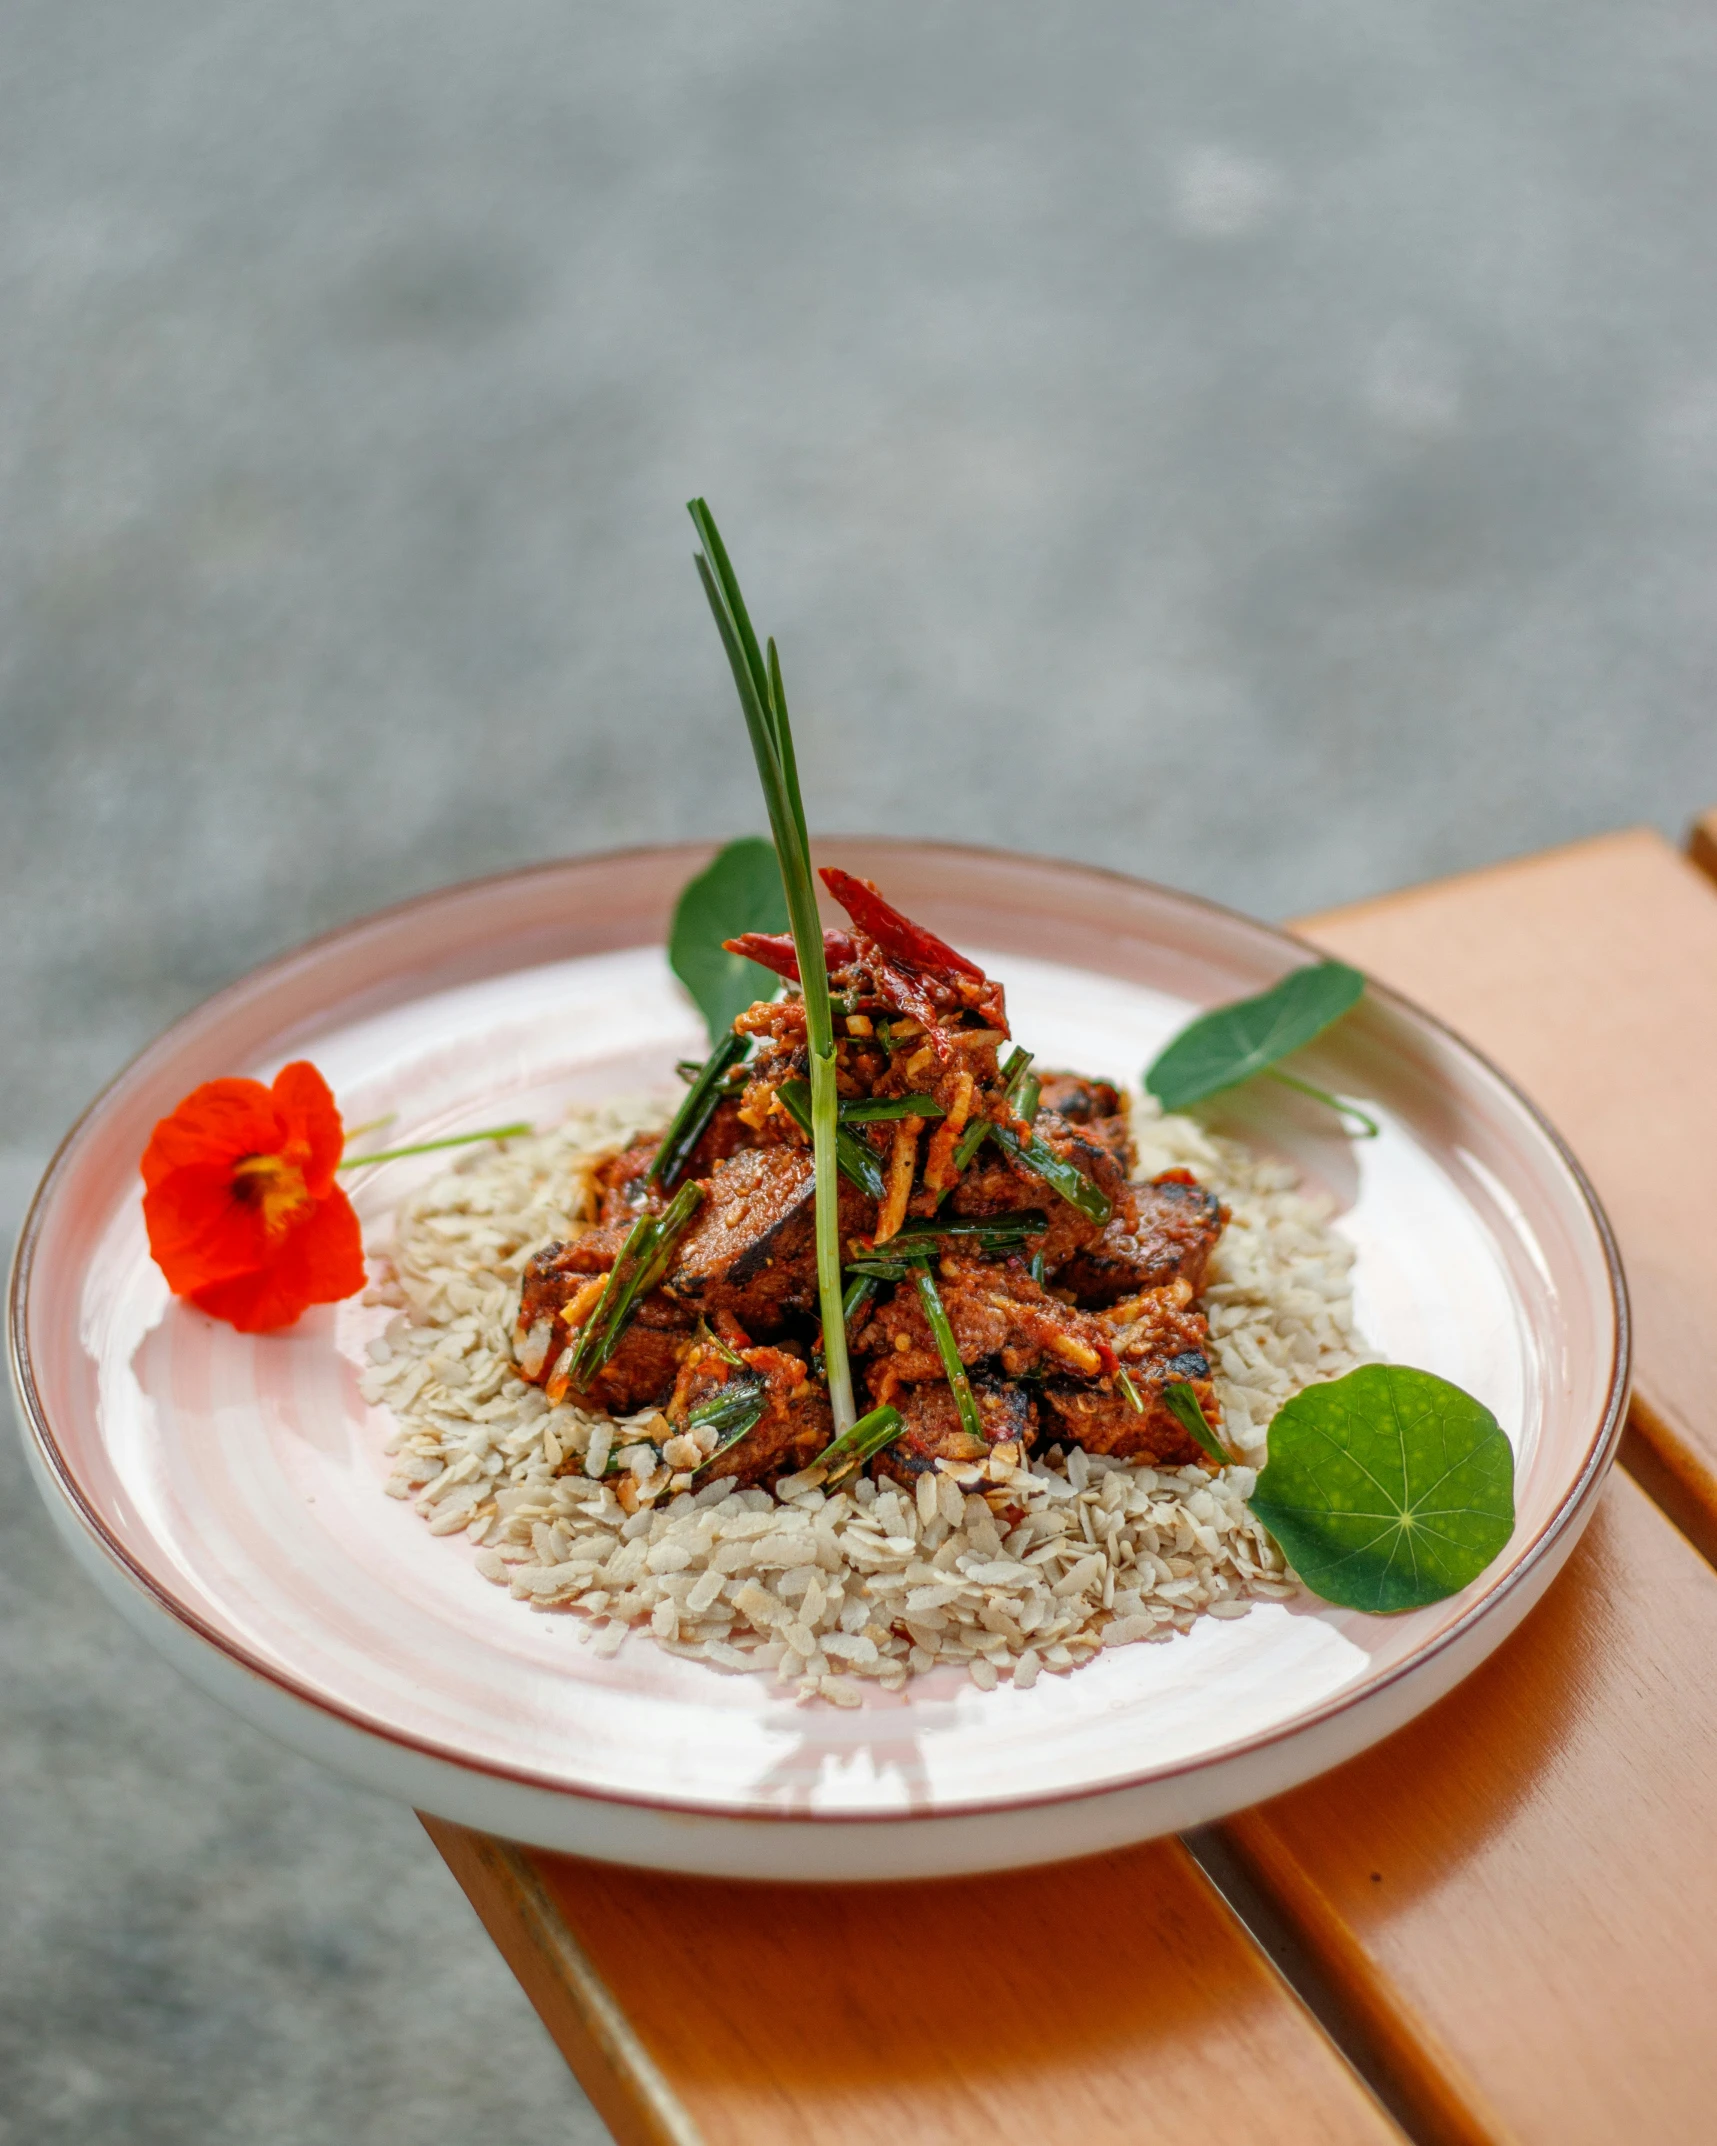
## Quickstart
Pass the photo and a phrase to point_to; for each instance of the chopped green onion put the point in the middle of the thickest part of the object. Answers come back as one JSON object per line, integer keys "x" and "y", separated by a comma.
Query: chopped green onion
{"x": 887, "y": 1270}
{"x": 858, "y": 1295}
{"x": 859, "y": 1292}
{"x": 861, "y": 1441}
{"x": 734, "y": 1410}
{"x": 1035, "y": 1268}
{"x": 1012, "y": 1067}
{"x": 873, "y": 1108}
{"x": 971, "y": 1139}
{"x": 428, "y": 1147}
{"x": 695, "y": 1112}
{"x": 1124, "y": 1379}
{"x": 856, "y": 1160}
{"x": 643, "y": 1260}
{"x": 988, "y": 1232}
{"x": 1182, "y": 1404}
{"x": 948, "y": 1349}
{"x": 1066, "y": 1177}
{"x": 740, "y": 1400}
{"x": 710, "y": 1339}
{"x": 1030, "y": 1089}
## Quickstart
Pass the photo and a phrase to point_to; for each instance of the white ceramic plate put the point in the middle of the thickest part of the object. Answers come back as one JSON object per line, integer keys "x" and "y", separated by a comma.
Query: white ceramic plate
{"x": 226, "y": 1490}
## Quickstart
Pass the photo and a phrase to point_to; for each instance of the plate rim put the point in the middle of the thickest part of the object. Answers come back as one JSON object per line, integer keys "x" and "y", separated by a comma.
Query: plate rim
{"x": 37, "y": 1429}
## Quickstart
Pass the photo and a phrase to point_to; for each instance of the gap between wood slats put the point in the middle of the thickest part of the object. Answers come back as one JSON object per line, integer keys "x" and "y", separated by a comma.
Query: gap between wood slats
{"x": 1282, "y": 1945}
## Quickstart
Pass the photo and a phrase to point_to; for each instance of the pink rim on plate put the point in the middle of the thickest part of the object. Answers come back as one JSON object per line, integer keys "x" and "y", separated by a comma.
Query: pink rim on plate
{"x": 225, "y": 1490}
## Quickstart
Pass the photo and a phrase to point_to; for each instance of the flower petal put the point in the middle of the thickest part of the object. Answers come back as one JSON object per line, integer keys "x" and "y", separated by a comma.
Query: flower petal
{"x": 200, "y": 1232}
{"x": 308, "y": 1111}
{"x": 319, "y": 1262}
{"x": 216, "y": 1123}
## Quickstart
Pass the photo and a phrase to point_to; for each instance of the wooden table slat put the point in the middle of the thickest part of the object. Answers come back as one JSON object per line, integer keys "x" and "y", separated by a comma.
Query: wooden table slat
{"x": 1512, "y": 1900}
{"x": 1113, "y": 1999}
{"x": 1590, "y": 975}
{"x": 1515, "y": 1896}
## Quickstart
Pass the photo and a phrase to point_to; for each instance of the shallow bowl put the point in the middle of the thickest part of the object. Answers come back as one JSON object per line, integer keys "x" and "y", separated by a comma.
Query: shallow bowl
{"x": 225, "y": 1490}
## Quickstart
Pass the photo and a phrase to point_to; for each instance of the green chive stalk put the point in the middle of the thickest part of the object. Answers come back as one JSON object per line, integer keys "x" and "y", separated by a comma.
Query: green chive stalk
{"x": 709, "y": 1084}
{"x": 948, "y": 1349}
{"x": 1182, "y": 1404}
{"x": 763, "y": 700}
{"x": 642, "y": 1261}
{"x": 430, "y": 1147}
{"x": 860, "y": 1443}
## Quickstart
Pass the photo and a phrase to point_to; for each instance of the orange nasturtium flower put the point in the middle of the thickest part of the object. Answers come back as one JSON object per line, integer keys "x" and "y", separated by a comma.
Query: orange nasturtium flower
{"x": 244, "y": 1215}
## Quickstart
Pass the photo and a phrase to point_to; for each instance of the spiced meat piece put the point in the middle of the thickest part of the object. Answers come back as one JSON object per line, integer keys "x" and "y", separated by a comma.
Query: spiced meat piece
{"x": 995, "y": 1184}
{"x": 996, "y": 1311}
{"x": 562, "y": 1286}
{"x": 623, "y": 1191}
{"x": 934, "y": 1432}
{"x": 1102, "y": 1420}
{"x": 641, "y": 1372}
{"x": 752, "y": 1249}
{"x": 794, "y": 1427}
{"x": 553, "y": 1280}
{"x": 1158, "y": 1338}
{"x": 1078, "y": 1100}
{"x": 1178, "y": 1222}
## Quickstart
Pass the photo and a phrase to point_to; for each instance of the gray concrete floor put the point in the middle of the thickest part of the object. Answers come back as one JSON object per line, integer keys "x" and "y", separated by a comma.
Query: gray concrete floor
{"x": 1269, "y": 447}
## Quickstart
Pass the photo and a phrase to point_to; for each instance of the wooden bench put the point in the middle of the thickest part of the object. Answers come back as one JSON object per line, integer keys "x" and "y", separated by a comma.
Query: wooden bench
{"x": 1499, "y": 1926}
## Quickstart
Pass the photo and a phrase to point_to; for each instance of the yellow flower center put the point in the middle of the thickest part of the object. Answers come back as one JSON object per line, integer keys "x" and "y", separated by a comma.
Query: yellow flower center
{"x": 276, "y": 1186}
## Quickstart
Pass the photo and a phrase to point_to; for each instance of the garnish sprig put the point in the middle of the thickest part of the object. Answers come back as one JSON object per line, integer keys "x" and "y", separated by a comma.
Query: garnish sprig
{"x": 936, "y": 1316}
{"x": 763, "y": 700}
{"x": 1387, "y": 1488}
{"x": 429, "y": 1147}
{"x": 1231, "y": 1043}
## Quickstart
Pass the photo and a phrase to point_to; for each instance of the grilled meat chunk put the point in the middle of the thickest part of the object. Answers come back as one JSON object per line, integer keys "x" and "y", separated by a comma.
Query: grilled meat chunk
{"x": 997, "y": 1185}
{"x": 795, "y": 1424}
{"x": 552, "y": 1281}
{"x": 562, "y": 1286}
{"x": 752, "y": 1249}
{"x": 620, "y": 1182}
{"x": 1078, "y": 1100}
{"x": 1171, "y": 1239}
{"x": 1102, "y": 1420}
{"x": 1157, "y": 1337}
{"x": 640, "y": 1373}
{"x": 997, "y": 1312}
{"x": 934, "y": 1432}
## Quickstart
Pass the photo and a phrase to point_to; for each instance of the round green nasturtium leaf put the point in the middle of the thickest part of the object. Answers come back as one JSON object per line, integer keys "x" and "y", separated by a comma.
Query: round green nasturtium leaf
{"x": 1231, "y": 1043}
{"x": 1388, "y": 1488}
{"x": 738, "y": 891}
